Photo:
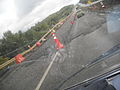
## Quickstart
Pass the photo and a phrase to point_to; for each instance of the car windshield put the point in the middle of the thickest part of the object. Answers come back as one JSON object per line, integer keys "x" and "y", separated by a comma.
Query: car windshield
{"x": 52, "y": 45}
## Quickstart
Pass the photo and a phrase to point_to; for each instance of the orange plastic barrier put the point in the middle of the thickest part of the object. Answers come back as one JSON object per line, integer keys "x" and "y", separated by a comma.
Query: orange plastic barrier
{"x": 19, "y": 58}
{"x": 38, "y": 44}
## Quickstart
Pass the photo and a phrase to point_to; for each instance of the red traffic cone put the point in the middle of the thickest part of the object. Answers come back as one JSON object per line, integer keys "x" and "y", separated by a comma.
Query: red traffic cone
{"x": 57, "y": 42}
{"x": 38, "y": 44}
{"x": 19, "y": 58}
{"x": 71, "y": 22}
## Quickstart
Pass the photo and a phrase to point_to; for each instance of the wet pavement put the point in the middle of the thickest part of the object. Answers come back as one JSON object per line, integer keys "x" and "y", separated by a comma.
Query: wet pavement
{"x": 88, "y": 38}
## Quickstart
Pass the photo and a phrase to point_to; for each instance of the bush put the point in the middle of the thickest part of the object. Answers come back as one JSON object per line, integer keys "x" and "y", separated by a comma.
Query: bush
{"x": 3, "y": 59}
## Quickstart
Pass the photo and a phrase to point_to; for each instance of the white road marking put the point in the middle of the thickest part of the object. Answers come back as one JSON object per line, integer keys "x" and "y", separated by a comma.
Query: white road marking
{"x": 46, "y": 72}
{"x": 102, "y": 14}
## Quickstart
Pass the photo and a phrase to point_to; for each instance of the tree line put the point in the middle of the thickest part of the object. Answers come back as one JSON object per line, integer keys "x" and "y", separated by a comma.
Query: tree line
{"x": 14, "y": 43}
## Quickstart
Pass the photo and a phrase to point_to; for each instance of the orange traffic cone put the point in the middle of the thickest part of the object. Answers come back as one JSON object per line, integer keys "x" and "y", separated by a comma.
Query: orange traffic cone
{"x": 57, "y": 42}
{"x": 71, "y": 22}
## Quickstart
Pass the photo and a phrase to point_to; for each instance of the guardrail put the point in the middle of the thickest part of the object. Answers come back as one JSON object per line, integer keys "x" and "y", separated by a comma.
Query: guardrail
{"x": 27, "y": 51}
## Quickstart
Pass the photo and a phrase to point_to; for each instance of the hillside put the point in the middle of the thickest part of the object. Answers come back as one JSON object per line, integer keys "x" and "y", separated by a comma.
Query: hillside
{"x": 12, "y": 44}
{"x": 106, "y": 2}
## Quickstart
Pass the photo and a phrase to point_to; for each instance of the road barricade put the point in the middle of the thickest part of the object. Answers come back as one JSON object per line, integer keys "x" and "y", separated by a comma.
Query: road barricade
{"x": 19, "y": 58}
{"x": 38, "y": 44}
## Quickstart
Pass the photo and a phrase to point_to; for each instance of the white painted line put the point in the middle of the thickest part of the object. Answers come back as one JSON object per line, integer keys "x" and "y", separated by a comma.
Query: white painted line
{"x": 102, "y": 14}
{"x": 46, "y": 73}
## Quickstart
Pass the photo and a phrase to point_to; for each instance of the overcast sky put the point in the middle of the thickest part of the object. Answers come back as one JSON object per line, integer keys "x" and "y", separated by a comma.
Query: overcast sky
{"x": 21, "y": 14}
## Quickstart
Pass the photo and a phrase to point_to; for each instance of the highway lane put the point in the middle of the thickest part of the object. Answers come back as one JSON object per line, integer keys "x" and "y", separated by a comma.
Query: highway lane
{"x": 93, "y": 38}
{"x": 27, "y": 75}
{"x": 83, "y": 41}
{"x": 92, "y": 44}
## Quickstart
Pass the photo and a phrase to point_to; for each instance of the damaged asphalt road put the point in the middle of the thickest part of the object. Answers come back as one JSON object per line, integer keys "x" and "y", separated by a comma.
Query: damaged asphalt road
{"x": 86, "y": 39}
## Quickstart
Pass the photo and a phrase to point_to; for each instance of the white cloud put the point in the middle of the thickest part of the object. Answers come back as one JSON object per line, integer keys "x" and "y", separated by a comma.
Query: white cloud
{"x": 8, "y": 16}
{"x": 9, "y": 20}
